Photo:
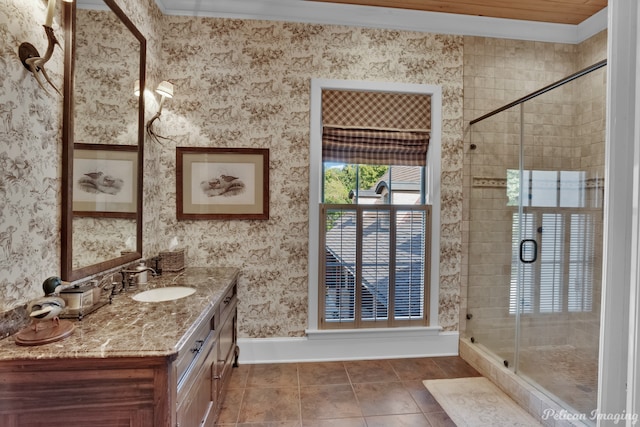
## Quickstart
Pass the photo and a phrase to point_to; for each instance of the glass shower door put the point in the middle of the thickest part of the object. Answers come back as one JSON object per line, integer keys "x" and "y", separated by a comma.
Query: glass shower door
{"x": 559, "y": 248}
{"x": 535, "y": 192}
{"x": 493, "y": 201}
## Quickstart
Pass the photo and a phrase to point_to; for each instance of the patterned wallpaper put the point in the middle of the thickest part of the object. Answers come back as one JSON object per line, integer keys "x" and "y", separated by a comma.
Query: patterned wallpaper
{"x": 30, "y": 121}
{"x": 237, "y": 84}
{"x": 248, "y": 85}
{"x": 30, "y": 153}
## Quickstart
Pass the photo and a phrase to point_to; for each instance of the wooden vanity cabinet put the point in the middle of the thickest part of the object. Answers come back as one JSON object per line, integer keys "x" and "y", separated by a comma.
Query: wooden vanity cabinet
{"x": 110, "y": 392}
{"x": 156, "y": 391}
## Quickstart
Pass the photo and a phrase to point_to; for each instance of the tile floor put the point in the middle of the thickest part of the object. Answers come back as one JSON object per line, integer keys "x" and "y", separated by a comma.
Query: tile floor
{"x": 368, "y": 393}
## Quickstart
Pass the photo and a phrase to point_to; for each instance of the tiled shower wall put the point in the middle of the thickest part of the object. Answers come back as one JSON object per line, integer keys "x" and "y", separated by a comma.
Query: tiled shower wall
{"x": 564, "y": 129}
{"x": 590, "y": 134}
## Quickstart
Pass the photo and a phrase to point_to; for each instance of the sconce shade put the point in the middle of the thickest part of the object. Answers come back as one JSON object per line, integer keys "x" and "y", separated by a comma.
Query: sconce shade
{"x": 165, "y": 89}
{"x": 136, "y": 88}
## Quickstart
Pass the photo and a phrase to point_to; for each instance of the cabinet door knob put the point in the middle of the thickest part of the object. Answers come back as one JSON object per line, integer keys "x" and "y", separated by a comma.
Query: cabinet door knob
{"x": 198, "y": 347}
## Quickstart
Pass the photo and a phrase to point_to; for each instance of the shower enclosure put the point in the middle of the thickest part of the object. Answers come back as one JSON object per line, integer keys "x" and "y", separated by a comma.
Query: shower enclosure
{"x": 536, "y": 191}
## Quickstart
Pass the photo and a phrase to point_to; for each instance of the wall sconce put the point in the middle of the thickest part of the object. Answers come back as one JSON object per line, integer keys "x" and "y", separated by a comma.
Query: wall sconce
{"x": 30, "y": 56}
{"x": 165, "y": 90}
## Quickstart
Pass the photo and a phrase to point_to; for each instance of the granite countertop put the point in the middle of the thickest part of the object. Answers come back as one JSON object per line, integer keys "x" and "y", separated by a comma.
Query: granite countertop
{"x": 128, "y": 328}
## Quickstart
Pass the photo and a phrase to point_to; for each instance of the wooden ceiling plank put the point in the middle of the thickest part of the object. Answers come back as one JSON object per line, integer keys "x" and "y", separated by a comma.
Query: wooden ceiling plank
{"x": 556, "y": 11}
{"x": 548, "y": 6}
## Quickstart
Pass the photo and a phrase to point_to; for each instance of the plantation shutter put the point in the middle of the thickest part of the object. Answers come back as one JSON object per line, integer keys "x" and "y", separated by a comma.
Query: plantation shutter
{"x": 375, "y": 127}
{"x": 375, "y": 265}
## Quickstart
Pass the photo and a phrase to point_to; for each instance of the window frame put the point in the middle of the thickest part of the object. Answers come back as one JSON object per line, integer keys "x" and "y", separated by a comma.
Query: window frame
{"x": 432, "y": 187}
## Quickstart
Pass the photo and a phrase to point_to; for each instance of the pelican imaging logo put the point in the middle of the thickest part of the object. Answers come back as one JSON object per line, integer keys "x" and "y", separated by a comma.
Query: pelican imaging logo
{"x": 564, "y": 415}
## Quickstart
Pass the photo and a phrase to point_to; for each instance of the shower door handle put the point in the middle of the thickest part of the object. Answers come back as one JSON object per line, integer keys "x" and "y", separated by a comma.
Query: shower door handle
{"x": 535, "y": 251}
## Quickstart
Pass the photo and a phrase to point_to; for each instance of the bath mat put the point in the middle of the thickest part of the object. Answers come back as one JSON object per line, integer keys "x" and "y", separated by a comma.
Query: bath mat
{"x": 476, "y": 402}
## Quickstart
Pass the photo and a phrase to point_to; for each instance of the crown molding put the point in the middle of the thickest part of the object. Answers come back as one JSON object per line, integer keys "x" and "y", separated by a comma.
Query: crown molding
{"x": 387, "y": 18}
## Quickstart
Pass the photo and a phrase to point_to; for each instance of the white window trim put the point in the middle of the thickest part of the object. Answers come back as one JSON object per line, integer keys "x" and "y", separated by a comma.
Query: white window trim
{"x": 315, "y": 181}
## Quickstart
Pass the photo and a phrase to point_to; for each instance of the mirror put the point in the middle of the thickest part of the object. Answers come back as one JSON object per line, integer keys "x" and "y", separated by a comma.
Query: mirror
{"x": 103, "y": 136}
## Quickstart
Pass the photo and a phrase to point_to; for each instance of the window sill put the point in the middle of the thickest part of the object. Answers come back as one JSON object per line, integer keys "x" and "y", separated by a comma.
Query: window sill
{"x": 405, "y": 332}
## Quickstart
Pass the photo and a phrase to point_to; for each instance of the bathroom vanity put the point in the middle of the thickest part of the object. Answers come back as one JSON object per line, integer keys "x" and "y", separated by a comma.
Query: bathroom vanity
{"x": 131, "y": 363}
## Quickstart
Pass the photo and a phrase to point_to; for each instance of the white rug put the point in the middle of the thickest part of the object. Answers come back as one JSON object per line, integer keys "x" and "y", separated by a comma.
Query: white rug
{"x": 476, "y": 402}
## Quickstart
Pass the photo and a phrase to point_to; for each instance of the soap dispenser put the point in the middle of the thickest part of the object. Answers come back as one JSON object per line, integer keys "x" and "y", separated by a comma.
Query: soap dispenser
{"x": 142, "y": 275}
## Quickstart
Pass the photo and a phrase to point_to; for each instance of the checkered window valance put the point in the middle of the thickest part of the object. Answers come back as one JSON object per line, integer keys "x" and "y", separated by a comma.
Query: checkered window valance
{"x": 375, "y": 127}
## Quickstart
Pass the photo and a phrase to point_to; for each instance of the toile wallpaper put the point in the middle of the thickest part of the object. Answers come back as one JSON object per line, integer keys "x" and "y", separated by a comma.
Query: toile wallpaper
{"x": 30, "y": 125}
{"x": 242, "y": 83}
{"x": 238, "y": 83}
{"x": 30, "y": 152}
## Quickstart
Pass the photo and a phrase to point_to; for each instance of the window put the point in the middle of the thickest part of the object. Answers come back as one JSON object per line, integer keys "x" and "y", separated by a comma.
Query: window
{"x": 375, "y": 271}
{"x": 556, "y": 217}
{"x": 316, "y": 192}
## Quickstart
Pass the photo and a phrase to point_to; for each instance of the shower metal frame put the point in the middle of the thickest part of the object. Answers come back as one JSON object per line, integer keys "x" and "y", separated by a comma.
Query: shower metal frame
{"x": 520, "y": 102}
{"x": 539, "y": 92}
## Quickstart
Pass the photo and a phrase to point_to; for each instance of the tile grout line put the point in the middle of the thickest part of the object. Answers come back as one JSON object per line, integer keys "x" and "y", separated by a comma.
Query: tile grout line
{"x": 353, "y": 390}
{"x": 244, "y": 391}
{"x": 299, "y": 394}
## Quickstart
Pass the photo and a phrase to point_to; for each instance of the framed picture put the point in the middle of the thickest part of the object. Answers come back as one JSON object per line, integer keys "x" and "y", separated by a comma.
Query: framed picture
{"x": 222, "y": 183}
{"x": 105, "y": 180}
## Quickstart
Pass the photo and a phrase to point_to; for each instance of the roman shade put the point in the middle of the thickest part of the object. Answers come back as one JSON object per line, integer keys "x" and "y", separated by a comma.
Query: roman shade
{"x": 360, "y": 127}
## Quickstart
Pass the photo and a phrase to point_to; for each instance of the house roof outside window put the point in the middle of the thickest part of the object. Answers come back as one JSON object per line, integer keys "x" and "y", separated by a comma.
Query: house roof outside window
{"x": 340, "y": 240}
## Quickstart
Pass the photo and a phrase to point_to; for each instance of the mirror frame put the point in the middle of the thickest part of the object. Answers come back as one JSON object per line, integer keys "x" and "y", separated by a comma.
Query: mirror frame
{"x": 67, "y": 271}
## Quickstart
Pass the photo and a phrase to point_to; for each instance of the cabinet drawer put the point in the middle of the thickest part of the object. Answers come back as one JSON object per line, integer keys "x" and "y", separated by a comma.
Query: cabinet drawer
{"x": 227, "y": 337}
{"x": 229, "y": 301}
{"x": 192, "y": 349}
{"x": 196, "y": 399}
{"x": 226, "y": 351}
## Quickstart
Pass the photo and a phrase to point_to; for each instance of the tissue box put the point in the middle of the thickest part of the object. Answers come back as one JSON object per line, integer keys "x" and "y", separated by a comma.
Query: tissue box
{"x": 172, "y": 261}
{"x": 80, "y": 300}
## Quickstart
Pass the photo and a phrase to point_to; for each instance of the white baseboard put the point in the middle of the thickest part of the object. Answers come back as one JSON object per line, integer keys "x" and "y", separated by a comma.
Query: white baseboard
{"x": 367, "y": 346}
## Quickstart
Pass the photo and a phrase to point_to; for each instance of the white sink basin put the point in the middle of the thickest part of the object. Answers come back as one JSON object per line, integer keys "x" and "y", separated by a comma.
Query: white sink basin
{"x": 169, "y": 293}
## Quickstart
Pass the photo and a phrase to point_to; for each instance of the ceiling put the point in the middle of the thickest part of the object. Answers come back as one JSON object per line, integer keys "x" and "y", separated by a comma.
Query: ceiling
{"x": 552, "y": 11}
{"x": 560, "y": 21}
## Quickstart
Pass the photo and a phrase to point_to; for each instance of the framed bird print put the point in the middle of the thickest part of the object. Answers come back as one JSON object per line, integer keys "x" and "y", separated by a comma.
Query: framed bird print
{"x": 105, "y": 180}
{"x": 222, "y": 183}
